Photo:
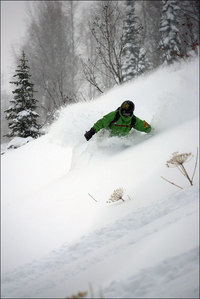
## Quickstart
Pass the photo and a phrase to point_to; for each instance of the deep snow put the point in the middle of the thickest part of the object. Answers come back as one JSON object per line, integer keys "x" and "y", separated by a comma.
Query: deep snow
{"x": 57, "y": 241}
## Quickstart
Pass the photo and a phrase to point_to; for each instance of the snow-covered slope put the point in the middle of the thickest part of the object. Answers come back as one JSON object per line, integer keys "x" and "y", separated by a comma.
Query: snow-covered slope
{"x": 57, "y": 240}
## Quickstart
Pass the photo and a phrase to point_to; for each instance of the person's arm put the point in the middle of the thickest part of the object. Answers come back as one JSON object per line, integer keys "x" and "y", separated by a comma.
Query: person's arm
{"x": 142, "y": 125}
{"x": 104, "y": 122}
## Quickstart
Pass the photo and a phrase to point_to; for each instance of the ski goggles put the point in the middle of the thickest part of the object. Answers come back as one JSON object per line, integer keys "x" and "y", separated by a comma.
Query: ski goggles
{"x": 126, "y": 113}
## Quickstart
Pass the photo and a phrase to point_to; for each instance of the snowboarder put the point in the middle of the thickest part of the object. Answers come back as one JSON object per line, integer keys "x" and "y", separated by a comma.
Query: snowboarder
{"x": 119, "y": 122}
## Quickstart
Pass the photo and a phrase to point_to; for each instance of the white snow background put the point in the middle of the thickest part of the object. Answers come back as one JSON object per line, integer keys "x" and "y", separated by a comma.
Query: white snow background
{"x": 58, "y": 241}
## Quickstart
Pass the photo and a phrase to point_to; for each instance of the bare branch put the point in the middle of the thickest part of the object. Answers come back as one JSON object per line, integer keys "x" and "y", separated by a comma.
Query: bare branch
{"x": 92, "y": 197}
{"x": 195, "y": 165}
{"x": 89, "y": 74}
{"x": 171, "y": 182}
{"x": 109, "y": 42}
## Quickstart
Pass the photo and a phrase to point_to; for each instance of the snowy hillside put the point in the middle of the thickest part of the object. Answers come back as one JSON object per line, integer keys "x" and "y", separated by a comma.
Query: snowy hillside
{"x": 59, "y": 234}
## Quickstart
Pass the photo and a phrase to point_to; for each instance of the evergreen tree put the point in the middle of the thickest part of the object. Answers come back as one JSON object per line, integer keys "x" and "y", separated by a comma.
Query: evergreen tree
{"x": 143, "y": 62}
{"x": 131, "y": 51}
{"x": 21, "y": 115}
{"x": 170, "y": 43}
{"x": 134, "y": 59}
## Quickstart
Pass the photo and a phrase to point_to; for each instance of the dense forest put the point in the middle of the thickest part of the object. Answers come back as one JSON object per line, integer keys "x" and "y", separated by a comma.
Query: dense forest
{"x": 77, "y": 50}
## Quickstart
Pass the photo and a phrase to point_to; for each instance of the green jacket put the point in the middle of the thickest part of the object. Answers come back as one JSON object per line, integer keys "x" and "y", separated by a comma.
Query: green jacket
{"x": 122, "y": 126}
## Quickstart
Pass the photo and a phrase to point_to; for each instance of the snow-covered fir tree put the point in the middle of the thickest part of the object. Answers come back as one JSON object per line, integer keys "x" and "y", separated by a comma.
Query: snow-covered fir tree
{"x": 143, "y": 62}
{"x": 131, "y": 50}
{"x": 134, "y": 59}
{"x": 170, "y": 42}
{"x": 21, "y": 115}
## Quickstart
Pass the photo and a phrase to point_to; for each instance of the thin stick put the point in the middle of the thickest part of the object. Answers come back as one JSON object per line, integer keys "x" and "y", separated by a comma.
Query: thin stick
{"x": 100, "y": 293}
{"x": 128, "y": 197}
{"x": 171, "y": 183}
{"x": 180, "y": 169}
{"x": 91, "y": 289}
{"x": 195, "y": 165}
{"x": 186, "y": 174}
{"x": 92, "y": 197}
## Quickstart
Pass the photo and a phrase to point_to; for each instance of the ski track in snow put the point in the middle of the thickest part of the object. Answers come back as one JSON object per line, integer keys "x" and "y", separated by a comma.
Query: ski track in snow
{"x": 170, "y": 272}
{"x": 72, "y": 259}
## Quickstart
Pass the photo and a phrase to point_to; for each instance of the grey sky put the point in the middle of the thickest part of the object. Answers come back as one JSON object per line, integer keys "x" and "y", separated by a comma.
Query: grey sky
{"x": 12, "y": 31}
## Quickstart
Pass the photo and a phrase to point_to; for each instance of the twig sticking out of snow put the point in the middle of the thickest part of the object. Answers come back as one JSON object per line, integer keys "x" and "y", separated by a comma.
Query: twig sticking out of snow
{"x": 195, "y": 165}
{"x": 92, "y": 197}
{"x": 171, "y": 182}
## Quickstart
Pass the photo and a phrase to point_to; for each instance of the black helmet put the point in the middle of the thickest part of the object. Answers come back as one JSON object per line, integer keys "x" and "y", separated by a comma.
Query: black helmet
{"x": 127, "y": 108}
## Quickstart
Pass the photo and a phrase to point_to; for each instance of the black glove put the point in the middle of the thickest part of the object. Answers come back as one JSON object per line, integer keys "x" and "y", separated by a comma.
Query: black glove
{"x": 89, "y": 134}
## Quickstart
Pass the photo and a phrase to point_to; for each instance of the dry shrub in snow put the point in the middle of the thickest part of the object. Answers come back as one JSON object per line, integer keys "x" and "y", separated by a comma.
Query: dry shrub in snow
{"x": 79, "y": 295}
{"x": 86, "y": 294}
{"x": 178, "y": 160}
{"x": 116, "y": 195}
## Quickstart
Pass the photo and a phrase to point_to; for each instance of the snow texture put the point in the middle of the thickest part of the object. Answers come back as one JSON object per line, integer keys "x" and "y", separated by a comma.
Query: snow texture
{"x": 18, "y": 142}
{"x": 57, "y": 240}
